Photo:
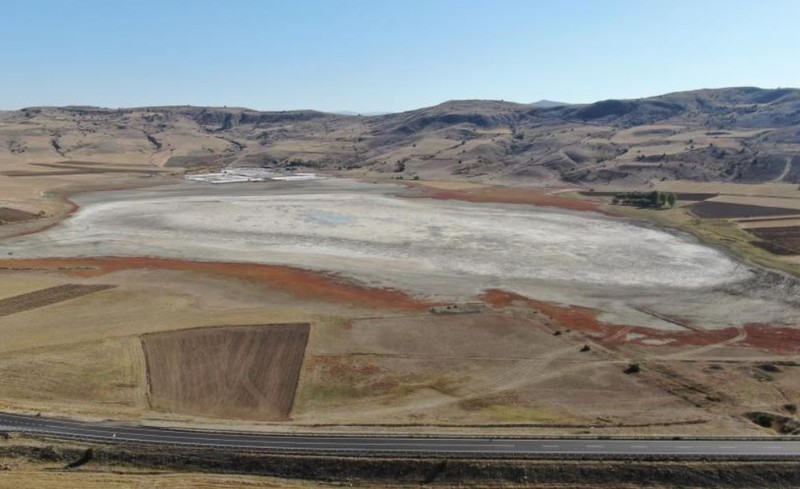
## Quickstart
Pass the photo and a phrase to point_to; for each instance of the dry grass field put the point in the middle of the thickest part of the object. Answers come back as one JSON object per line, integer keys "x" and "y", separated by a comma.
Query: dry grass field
{"x": 494, "y": 368}
{"x": 248, "y": 372}
{"x": 20, "y": 474}
{"x": 504, "y": 369}
{"x": 105, "y": 376}
{"x": 375, "y": 359}
{"x": 83, "y": 357}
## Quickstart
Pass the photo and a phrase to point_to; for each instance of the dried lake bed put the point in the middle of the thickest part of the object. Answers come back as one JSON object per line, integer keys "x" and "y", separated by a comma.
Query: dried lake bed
{"x": 445, "y": 250}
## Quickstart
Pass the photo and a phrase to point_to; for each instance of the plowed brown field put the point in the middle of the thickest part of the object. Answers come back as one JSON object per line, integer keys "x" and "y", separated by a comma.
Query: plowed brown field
{"x": 787, "y": 238}
{"x": 247, "y": 372}
{"x": 45, "y": 297}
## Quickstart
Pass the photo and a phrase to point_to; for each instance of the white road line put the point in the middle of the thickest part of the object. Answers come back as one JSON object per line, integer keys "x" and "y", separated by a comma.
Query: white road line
{"x": 273, "y": 441}
{"x": 415, "y": 444}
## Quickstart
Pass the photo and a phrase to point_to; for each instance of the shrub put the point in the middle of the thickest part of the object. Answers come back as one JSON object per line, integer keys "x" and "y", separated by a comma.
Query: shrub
{"x": 633, "y": 368}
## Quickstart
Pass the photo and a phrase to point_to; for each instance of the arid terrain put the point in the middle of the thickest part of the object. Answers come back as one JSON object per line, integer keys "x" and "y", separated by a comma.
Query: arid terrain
{"x": 245, "y": 371}
{"x": 734, "y": 134}
{"x": 447, "y": 302}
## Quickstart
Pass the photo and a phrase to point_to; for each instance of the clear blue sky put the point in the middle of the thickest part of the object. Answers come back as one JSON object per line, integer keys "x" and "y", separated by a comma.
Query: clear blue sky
{"x": 386, "y": 55}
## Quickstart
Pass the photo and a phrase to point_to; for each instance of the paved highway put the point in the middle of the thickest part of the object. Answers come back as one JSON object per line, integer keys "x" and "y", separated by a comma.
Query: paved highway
{"x": 363, "y": 445}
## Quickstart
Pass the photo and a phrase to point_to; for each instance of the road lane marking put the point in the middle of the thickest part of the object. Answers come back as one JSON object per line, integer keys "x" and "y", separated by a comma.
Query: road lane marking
{"x": 277, "y": 441}
{"x": 420, "y": 444}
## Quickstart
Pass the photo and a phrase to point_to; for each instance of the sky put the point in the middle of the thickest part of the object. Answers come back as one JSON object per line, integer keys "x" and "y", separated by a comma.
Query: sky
{"x": 386, "y": 55}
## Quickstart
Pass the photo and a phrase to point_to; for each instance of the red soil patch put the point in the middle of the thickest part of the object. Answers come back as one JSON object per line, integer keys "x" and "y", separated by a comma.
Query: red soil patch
{"x": 775, "y": 339}
{"x": 298, "y": 282}
{"x": 573, "y": 317}
{"x": 507, "y": 195}
{"x": 772, "y": 338}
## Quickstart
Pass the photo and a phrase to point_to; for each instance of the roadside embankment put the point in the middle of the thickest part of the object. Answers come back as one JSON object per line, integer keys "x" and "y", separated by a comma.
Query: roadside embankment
{"x": 632, "y": 472}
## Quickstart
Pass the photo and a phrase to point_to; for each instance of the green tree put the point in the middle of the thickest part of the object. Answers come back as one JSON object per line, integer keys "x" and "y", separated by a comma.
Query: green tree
{"x": 655, "y": 198}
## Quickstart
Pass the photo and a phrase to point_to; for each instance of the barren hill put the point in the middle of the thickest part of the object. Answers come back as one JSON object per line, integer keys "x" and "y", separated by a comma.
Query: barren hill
{"x": 731, "y": 134}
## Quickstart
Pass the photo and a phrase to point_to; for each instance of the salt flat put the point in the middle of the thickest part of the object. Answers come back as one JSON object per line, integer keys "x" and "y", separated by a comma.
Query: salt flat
{"x": 441, "y": 249}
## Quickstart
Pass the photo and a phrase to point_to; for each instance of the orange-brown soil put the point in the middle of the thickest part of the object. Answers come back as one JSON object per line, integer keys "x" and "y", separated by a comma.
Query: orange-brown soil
{"x": 506, "y": 195}
{"x": 301, "y": 283}
{"x": 774, "y": 339}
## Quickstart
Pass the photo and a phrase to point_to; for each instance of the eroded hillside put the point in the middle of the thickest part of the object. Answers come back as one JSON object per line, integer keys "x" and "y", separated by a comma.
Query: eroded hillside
{"x": 734, "y": 134}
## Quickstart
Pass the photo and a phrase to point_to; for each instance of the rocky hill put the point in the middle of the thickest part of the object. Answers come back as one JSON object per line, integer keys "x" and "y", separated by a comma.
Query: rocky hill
{"x": 731, "y": 134}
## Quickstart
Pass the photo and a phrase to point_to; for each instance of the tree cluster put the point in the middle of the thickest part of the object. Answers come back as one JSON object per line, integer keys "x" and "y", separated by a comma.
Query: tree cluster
{"x": 654, "y": 199}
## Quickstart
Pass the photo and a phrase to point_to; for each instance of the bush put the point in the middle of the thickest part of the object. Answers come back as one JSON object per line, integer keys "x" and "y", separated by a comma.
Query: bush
{"x": 633, "y": 368}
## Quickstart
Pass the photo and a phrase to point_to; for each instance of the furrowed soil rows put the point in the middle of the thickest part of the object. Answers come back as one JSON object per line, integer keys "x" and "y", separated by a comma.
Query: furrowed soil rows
{"x": 787, "y": 238}
{"x": 8, "y": 215}
{"x": 45, "y": 297}
{"x": 247, "y": 372}
{"x": 726, "y": 210}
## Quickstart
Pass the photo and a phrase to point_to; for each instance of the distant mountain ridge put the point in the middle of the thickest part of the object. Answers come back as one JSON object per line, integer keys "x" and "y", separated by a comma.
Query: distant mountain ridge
{"x": 546, "y": 104}
{"x": 743, "y": 134}
{"x": 365, "y": 114}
